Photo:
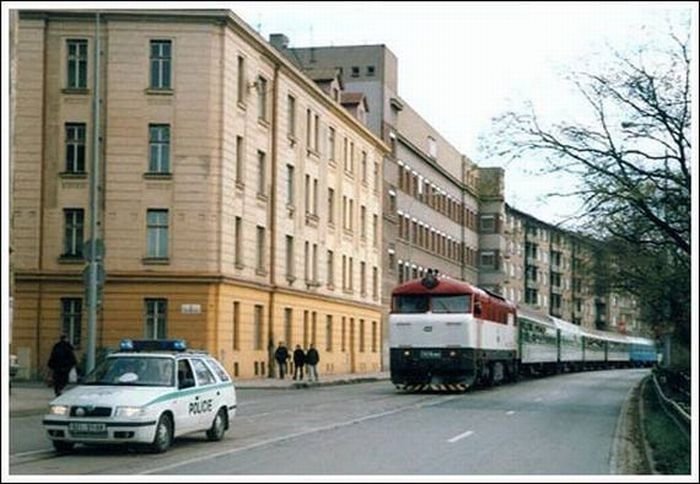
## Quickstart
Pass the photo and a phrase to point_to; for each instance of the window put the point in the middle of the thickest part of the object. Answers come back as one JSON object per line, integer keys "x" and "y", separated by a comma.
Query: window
{"x": 71, "y": 312}
{"x": 77, "y": 63}
{"x": 316, "y": 132}
{"x": 488, "y": 260}
{"x": 364, "y": 167}
{"x": 156, "y": 318}
{"x": 239, "y": 242}
{"x": 375, "y": 283}
{"x": 290, "y": 257}
{"x": 241, "y": 87}
{"x": 531, "y": 296}
{"x": 288, "y": 323}
{"x": 363, "y": 278}
{"x": 375, "y": 230}
{"x": 291, "y": 116}
{"x": 236, "y": 336}
{"x": 262, "y": 98}
{"x": 362, "y": 335}
{"x": 329, "y": 268}
{"x": 290, "y": 185}
{"x": 370, "y": 71}
{"x": 75, "y": 147}
{"x": 260, "y": 256}
{"x": 363, "y": 221}
{"x": 204, "y": 374}
{"x": 73, "y": 236}
{"x": 239, "y": 159}
{"x": 342, "y": 334}
{"x": 161, "y": 64}
{"x": 159, "y": 144}
{"x": 331, "y": 206}
{"x": 329, "y": 332}
{"x": 355, "y": 71}
{"x": 261, "y": 173}
{"x": 306, "y": 261}
{"x": 376, "y": 176}
{"x": 314, "y": 262}
{"x": 432, "y": 147}
{"x": 331, "y": 144}
{"x": 488, "y": 224}
{"x": 157, "y": 234}
{"x": 374, "y": 336}
{"x": 258, "y": 327}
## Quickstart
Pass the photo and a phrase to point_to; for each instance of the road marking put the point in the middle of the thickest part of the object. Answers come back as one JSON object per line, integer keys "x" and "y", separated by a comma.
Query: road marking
{"x": 510, "y": 412}
{"x": 201, "y": 458}
{"x": 31, "y": 452}
{"x": 460, "y": 436}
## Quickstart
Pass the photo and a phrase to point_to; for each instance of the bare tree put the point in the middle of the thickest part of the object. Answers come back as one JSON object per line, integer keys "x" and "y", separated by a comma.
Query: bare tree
{"x": 633, "y": 160}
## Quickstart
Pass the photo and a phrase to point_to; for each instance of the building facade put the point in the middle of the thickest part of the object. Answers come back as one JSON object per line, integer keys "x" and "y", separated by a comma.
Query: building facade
{"x": 239, "y": 203}
{"x": 431, "y": 191}
{"x": 555, "y": 271}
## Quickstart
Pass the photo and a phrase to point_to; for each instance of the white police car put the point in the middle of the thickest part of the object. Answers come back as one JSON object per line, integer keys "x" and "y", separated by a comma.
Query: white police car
{"x": 149, "y": 392}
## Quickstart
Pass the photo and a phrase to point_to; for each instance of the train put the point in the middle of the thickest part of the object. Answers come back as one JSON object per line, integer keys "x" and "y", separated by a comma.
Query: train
{"x": 451, "y": 335}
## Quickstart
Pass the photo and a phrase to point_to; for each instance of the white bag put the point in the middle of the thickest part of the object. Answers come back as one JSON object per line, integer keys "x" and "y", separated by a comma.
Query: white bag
{"x": 73, "y": 376}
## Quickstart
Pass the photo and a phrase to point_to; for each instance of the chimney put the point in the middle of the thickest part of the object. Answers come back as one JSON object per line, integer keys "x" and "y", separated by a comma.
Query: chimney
{"x": 279, "y": 41}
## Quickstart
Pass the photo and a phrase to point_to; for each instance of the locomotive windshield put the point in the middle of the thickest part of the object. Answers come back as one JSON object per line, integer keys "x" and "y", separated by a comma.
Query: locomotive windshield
{"x": 459, "y": 303}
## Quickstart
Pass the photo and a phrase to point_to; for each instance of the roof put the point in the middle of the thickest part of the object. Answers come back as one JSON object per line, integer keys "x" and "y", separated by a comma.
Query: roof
{"x": 352, "y": 98}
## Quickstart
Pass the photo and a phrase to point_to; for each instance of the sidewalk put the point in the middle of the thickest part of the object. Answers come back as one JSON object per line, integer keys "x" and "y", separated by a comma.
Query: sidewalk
{"x": 33, "y": 397}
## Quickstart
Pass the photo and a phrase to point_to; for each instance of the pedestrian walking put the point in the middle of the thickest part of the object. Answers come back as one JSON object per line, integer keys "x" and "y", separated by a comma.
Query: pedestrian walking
{"x": 61, "y": 361}
{"x": 299, "y": 360}
{"x": 281, "y": 356}
{"x": 311, "y": 362}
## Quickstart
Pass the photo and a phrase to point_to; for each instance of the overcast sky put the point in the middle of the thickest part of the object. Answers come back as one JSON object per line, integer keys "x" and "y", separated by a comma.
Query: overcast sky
{"x": 461, "y": 64}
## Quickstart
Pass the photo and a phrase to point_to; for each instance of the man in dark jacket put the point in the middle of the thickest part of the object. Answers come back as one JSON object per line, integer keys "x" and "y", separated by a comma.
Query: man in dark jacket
{"x": 299, "y": 361}
{"x": 312, "y": 360}
{"x": 61, "y": 361}
{"x": 281, "y": 355}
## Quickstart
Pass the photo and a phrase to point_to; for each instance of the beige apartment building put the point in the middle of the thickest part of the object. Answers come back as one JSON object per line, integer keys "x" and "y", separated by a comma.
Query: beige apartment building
{"x": 240, "y": 200}
{"x": 553, "y": 270}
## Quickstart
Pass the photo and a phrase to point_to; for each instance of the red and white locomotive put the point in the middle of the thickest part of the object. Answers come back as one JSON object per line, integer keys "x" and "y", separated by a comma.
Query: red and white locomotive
{"x": 452, "y": 335}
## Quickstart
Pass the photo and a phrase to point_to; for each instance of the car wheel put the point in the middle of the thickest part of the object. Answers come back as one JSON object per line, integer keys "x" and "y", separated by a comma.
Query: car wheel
{"x": 218, "y": 426}
{"x": 62, "y": 446}
{"x": 164, "y": 434}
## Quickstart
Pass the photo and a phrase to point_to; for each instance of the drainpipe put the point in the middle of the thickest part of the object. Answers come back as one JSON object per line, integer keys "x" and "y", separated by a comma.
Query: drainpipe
{"x": 272, "y": 226}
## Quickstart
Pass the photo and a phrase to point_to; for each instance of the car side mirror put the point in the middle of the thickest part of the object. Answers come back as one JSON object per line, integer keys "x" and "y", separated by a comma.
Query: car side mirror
{"x": 186, "y": 383}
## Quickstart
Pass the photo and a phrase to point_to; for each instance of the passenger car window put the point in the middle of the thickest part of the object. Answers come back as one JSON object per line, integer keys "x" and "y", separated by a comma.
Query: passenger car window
{"x": 185, "y": 377}
{"x": 204, "y": 374}
{"x": 218, "y": 369}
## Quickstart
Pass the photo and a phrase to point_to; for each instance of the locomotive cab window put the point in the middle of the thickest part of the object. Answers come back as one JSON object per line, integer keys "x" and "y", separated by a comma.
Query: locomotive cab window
{"x": 411, "y": 304}
{"x": 459, "y": 303}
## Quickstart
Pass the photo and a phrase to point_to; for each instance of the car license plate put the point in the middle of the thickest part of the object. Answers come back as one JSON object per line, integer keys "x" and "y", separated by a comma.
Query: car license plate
{"x": 87, "y": 428}
{"x": 430, "y": 354}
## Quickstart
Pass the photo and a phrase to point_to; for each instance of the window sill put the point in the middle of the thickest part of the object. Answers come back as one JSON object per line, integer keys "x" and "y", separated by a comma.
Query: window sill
{"x": 292, "y": 140}
{"x": 73, "y": 175}
{"x": 290, "y": 278}
{"x": 71, "y": 259}
{"x": 241, "y": 105}
{"x": 239, "y": 265}
{"x": 312, "y": 219}
{"x": 261, "y": 197}
{"x": 157, "y": 176}
{"x": 79, "y": 91}
{"x": 160, "y": 91}
{"x": 260, "y": 272}
{"x": 240, "y": 185}
{"x": 156, "y": 261}
{"x": 264, "y": 123}
{"x": 312, "y": 153}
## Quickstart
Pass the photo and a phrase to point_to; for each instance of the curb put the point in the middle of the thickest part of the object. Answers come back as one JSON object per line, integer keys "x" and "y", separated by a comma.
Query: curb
{"x": 648, "y": 454}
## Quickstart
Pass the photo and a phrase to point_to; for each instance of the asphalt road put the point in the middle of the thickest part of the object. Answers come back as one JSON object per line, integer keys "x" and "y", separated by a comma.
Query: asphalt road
{"x": 561, "y": 425}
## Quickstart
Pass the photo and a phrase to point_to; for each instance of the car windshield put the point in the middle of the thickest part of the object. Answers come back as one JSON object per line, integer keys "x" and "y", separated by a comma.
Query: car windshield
{"x": 132, "y": 370}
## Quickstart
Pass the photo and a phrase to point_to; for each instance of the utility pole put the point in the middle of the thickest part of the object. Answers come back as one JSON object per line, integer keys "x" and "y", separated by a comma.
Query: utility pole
{"x": 94, "y": 259}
